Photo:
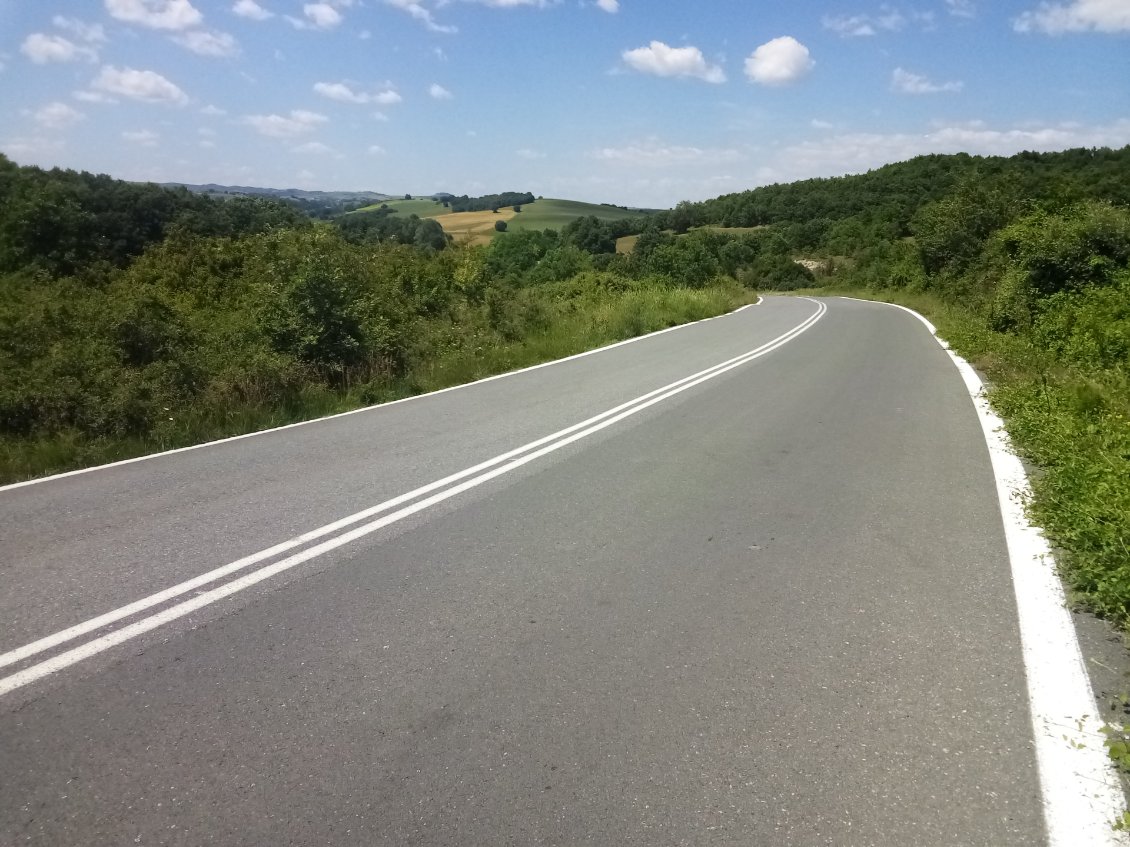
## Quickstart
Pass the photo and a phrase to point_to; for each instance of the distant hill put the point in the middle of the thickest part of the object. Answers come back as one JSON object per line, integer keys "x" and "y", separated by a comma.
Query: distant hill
{"x": 543, "y": 213}
{"x": 282, "y": 193}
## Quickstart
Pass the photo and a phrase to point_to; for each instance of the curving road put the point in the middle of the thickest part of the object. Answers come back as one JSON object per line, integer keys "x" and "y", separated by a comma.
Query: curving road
{"x": 742, "y": 582}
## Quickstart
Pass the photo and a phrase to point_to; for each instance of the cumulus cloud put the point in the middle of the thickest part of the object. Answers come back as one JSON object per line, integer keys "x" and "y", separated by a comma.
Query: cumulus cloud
{"x": 343, "y": 93}
{"x": 297, "y": 122}
{"x": 376, "y": 150}
{"x": 141, "y": 137}
{"x": 90, "y": 33}
{"x": 41, "y": 49}
{"x": 610, "y": 6}
{"x": 422, "y": 14}
{"x": 837, "y": 154}
{"x": 1077, "y": 16}
{"x": 93, "y": 97}
{"x": 654, "y": 153}
{"x": 57, "y": 116}
{"x": 251, "y": 10}
{"x": 961, "y": 8}
{"x": 905, "y": 82}
{"x": 340, "y": 92}
{"x": 660, "y": 59}
{"x": 317, "y": 16}
{"x": 512, "y": 4}
{"x": 156, "y": 14}
{"x": 146, "y": 86}
{"x": 439, "y": 92}
{"x": 529, "y": 155}
{"x": 315, "y": 148}
{"x": 213, "y": 44}
{"x": 781, "y": 61}
{"x": 861, "y": 26}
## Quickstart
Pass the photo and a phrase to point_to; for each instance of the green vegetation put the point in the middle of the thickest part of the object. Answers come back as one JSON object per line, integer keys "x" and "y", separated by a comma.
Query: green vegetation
{"x": 555, "y": 214}
{"x": 1024, "y": 265}
{"x": 133, "y": 318}
{"x": 423, "y": 208}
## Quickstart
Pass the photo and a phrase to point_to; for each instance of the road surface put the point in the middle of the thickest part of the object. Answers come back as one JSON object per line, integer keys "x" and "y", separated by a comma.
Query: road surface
{"x": 770, "y": 604}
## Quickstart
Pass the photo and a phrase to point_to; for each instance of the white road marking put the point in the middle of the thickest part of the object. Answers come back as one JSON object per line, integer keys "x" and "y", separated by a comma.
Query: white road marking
{"x": 191, "y": 447}
{"x": 1081, "y": 791}
{"x": 544, "y": 446}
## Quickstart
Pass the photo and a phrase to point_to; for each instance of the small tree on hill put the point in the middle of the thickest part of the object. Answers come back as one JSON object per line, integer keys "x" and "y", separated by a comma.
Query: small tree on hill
{"x": 500, "y": 226}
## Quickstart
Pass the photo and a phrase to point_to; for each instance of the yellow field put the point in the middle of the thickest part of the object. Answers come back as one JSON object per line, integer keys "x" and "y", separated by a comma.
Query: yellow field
{"x": 475, "y": 227}
{"x": 626, "y": 243}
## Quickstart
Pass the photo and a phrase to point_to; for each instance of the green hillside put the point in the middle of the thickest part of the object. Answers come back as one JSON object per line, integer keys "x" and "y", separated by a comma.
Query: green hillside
{"x": 547, "y": 213}
{"x": 422, "y": 208}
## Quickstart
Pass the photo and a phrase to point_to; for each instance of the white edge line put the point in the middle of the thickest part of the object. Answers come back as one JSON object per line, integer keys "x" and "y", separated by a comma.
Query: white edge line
{"x": 126, "y": 633}
{"x": 78, "y": 471}
{"x": 1081, "y": 791}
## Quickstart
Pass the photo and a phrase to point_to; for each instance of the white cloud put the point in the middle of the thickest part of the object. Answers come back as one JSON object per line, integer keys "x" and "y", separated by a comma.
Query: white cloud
{"x": 1077, "y": 16}
{"x": 833, "y": 155}
{"x": 343, "y": 93}
{"x": 156, "y": 14}
{"x": 251, "y": 10}
{"x": 296, "y": 123}
{"x": 33, "y": 150}
{"x": 438, "y": 92}
{"x": 656, "y": 154}
{"x": 422, "y": 14}
{"x": 214, "y": 44}
{"x": 340, "y": 92}
{"x": 318, "y": 16}
{"x": 93, "y": 97}
{"x": 816, "y": 123}
{"x": 662, "y": 60}
{"x": 376, "y": 150}
{"x": 961, "y": 8}
{"x": 141, "y": 137}
{"x": 213, "y": 111}
{"x": 90, "y": 33}
{"x": 610, "y": 6}
{"x": 861, "y": 26}
{"x": 850, "y": 26}
{"x": 42, "y": 49}
{"x": 781, "y": 61}
{"x": 315, "y": 148}
{"x": 529, "y": 155}
{"x": 513, "y": 4}
{"x": 57, "y": 116}
{"x": 147, "y": 86}
{"x": 905, "y": 82}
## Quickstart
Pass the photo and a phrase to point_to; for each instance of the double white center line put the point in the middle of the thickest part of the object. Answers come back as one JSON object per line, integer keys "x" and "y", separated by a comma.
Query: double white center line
{"x": 389, "y": 511}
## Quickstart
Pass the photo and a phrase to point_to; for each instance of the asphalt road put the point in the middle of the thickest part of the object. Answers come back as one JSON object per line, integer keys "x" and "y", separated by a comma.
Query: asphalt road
{"x": 772, "y": 608}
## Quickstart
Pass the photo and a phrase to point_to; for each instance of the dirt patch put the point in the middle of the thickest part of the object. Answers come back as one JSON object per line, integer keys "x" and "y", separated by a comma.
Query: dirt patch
{"x": 475, "y": 227}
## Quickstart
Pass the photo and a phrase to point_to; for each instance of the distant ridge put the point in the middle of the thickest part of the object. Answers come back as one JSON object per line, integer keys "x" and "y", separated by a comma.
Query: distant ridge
{"x": 281, "y": 193}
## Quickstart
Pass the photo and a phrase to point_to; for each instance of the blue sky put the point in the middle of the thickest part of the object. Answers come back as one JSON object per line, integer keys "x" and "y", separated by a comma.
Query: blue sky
{"x": 622, "y": 101}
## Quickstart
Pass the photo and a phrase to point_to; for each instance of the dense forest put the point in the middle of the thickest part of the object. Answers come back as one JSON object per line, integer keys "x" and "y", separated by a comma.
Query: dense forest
{"x": 493, "y": 202}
